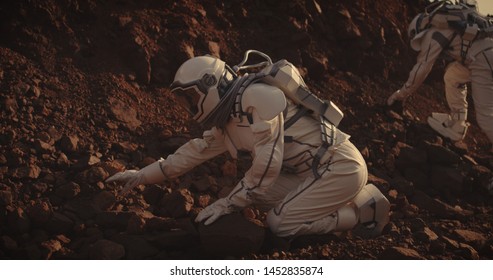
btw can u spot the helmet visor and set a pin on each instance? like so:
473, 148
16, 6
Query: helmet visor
188, 98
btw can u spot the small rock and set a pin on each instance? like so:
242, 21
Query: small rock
125, 147
156, 223
124, 113
43, 147
113, 167
473, 238
35, 91
68, 190
5, 198
63, 161
95, 174
32, 171
426, 235
468, 252
40, 212
49, 247
69, 143
418, 225
104, 200
249, 214
204, 183
177, 204
17, 221
203, 200
450, 243
114, 219
136, 225
229, 168
214, 49
153, 193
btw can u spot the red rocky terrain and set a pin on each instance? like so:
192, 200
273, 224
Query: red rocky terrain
84, 94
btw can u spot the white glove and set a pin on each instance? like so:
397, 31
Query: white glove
150, 174
217, 209
396, 96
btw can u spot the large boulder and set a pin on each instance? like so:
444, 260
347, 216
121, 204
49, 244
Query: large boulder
231, 235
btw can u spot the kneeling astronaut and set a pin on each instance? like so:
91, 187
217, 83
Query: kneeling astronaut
305, 172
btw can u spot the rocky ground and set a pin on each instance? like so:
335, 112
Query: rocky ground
84, 94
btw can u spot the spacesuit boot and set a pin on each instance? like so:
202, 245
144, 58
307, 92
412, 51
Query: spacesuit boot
452, 126
369, 211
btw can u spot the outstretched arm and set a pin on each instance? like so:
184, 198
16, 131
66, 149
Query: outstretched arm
191, 154
422, 68
430, 51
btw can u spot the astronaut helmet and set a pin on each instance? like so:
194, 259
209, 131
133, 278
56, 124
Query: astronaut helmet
200, 84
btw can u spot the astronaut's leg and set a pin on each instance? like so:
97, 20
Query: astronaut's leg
453, 125
482, 91
370, 208
284, 184
311, 207
456, 78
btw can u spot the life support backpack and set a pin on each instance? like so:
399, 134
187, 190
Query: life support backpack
463, 18
285, 76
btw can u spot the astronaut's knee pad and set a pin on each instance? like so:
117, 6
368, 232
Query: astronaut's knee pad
373, 208
347, 217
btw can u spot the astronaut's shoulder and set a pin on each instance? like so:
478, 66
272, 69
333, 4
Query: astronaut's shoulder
269, 101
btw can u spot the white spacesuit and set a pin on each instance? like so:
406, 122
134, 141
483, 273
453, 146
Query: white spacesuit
300, 199
433, 34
